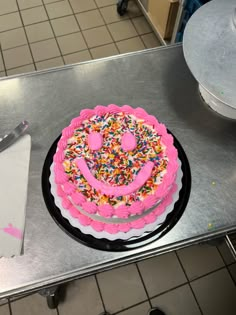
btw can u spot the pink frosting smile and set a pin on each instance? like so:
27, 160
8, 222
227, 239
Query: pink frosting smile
116, 191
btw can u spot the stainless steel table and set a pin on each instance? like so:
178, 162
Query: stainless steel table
158, 80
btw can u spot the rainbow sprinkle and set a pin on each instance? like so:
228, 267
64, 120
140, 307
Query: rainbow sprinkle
111, 164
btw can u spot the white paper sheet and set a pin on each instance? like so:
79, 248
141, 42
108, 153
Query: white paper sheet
14, 171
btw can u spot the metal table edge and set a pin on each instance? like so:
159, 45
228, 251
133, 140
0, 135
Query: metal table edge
64, 67
84, 272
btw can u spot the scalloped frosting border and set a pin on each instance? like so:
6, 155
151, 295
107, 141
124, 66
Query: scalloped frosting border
65, 188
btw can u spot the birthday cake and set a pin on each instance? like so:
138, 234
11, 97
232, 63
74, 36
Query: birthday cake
115, 168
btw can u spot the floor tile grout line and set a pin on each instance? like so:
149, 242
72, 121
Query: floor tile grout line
180, 262
139, 35
42, 40
5, 303
115, 42
145, 289
3, 61
231, 264
25, 9
28, 44
104, 6
164, 292
45, 60
124, 17
182, 267
128, 18
138, 14
107, 5
49, 20
68, 33
16, 28
80, 31
169, 290
62, 56
207, 274
43, 5
10, 309
100, 292
119, 41
31, 43
199, 277
90, 54
59, 17
221, 255
226, 266
144, 43
160, 44
48, 60
194, 295
37, 6
38, 41
75, 52
129, 307
84, 10
28, 64
106, 25
17, 46
55, 37
231, 276
22, 296
8, 13
90, 28
107, 28
12, 300
52, 2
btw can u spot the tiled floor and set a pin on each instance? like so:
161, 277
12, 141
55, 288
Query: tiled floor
41, 34
199, 280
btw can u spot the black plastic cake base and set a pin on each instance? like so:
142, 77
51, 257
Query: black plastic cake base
118, 245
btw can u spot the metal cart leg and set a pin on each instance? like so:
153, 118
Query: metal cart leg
122, 6
51, 295
231, 242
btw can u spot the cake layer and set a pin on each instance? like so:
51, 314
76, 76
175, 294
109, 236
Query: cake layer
74, 218
82, 220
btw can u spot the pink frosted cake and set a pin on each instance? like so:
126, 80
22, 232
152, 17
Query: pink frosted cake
114, 168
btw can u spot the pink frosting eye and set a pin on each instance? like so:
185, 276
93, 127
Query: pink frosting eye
95, 140
128, 142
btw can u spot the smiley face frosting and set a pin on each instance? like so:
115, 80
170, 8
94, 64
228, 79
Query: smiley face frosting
114, 167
